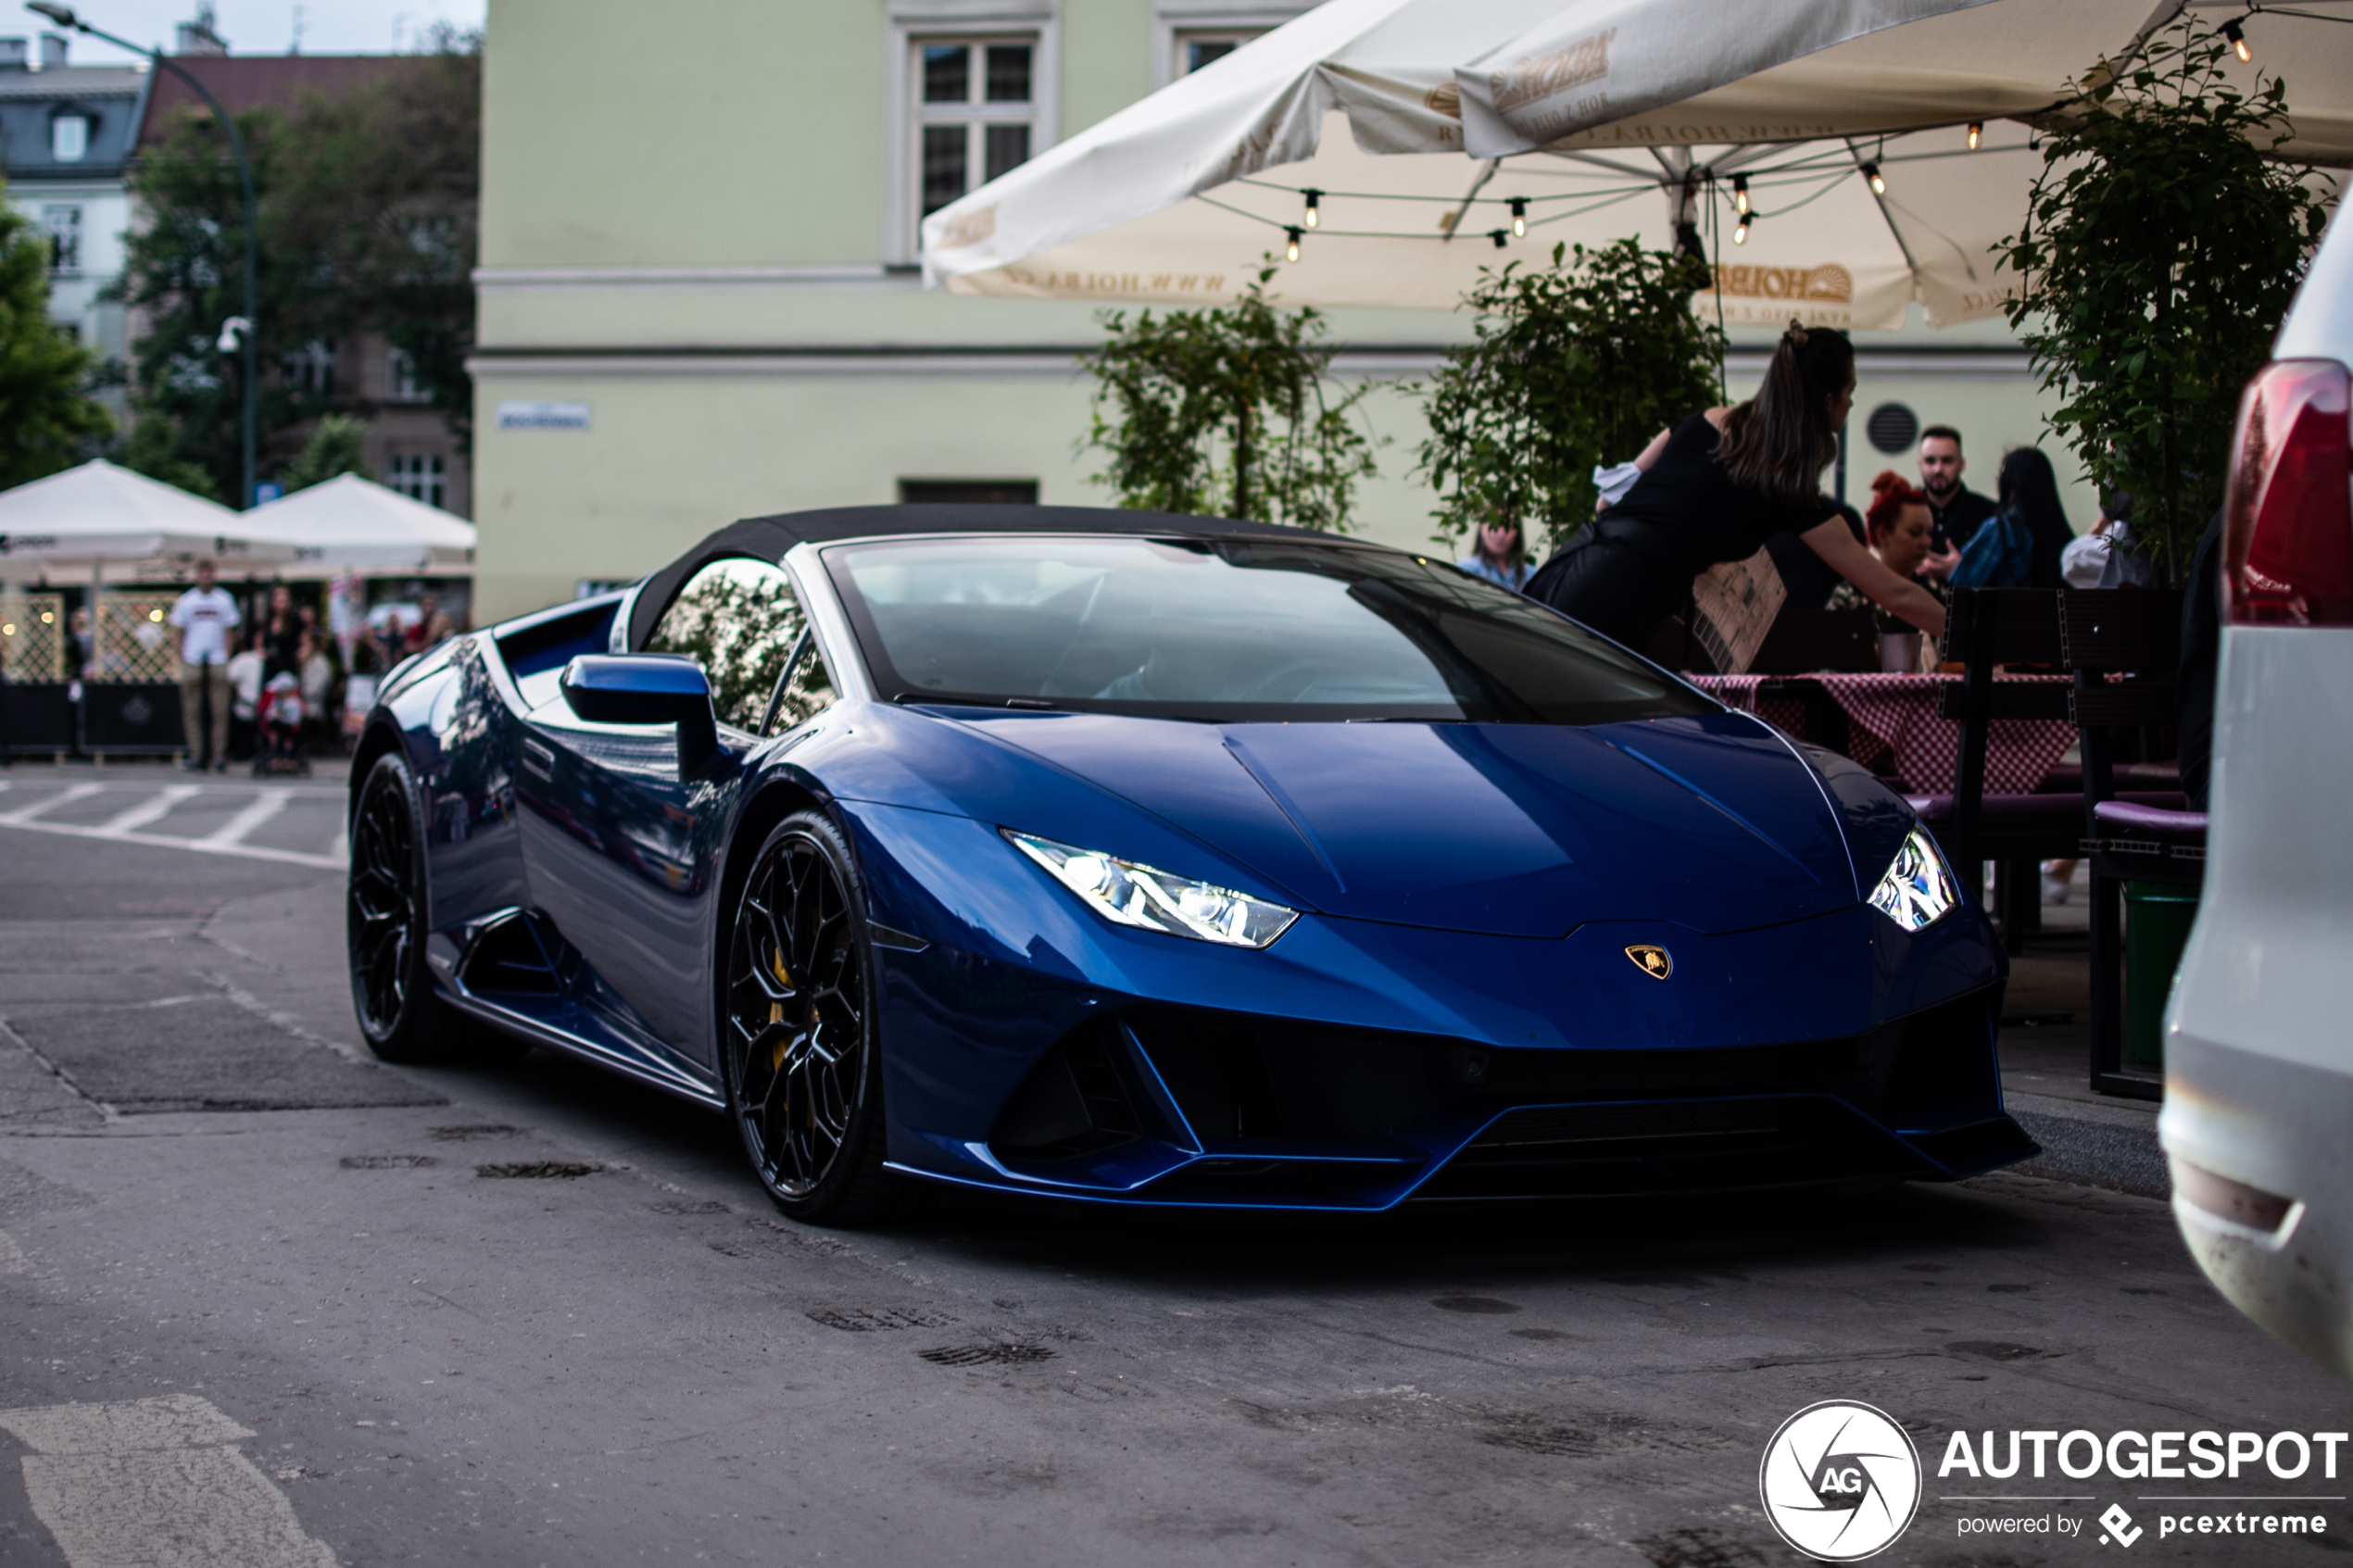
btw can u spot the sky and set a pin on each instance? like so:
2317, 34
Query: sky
254, 27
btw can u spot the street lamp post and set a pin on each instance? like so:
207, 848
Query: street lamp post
63, 16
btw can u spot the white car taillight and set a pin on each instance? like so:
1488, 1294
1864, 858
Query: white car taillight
2288, 520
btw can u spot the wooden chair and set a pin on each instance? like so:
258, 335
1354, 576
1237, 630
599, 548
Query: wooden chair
2124, 645
1989, 627
2010, 626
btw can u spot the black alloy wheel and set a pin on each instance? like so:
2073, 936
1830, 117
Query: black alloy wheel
798, 1035
385, 919
384, 924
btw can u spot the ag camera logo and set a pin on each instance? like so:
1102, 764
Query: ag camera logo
1840, 1481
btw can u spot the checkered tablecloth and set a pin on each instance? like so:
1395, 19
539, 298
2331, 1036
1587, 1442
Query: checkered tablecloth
1900, 715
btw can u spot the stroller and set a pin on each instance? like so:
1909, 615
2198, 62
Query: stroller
278, 730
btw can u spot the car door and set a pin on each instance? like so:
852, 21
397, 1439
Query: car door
626, 851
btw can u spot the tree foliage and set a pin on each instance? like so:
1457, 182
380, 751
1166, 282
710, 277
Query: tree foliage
47, 419
338, 445
2162, 244
1228, 411
1575, 366
366, 212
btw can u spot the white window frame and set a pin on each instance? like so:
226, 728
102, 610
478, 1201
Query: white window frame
431, 473
61, 221
1174, 22
400, 378
915, 23
57, 137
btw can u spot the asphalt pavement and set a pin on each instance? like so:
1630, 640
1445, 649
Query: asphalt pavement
264, 1301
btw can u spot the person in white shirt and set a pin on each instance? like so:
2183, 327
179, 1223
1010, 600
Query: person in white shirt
205, 615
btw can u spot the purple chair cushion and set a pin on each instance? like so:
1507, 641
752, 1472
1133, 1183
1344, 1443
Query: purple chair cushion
2131, 818
2068, 779
2036, 810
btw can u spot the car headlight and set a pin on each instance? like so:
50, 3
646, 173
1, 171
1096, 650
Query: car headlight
1128, 893
1918, 890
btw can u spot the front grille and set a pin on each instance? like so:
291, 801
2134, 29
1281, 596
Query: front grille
1629, 1150
1558, 1121
1616, 1123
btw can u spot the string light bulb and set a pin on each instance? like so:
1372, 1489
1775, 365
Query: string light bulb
1519, 216
1739, 230
1291, 252
1976, 130
1878, 187
1315, 216
2231, 31
1499, 237
1740, 194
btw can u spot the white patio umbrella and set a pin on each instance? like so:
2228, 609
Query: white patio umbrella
100, 519
1399, 145
349, 524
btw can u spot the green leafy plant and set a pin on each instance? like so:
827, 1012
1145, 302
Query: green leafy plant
2163, 242
47, 419
338, 445
1575, 366
1228, 411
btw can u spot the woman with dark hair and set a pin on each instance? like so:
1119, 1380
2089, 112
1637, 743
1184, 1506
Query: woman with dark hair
2028, 489
1715, 488
1499, 553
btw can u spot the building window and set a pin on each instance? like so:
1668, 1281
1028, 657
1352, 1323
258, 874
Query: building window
417, 475
401, 385
975, 102
311, 368
69, 138
1199, 47
63, 225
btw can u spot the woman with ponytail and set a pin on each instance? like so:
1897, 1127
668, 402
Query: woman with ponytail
1716, 486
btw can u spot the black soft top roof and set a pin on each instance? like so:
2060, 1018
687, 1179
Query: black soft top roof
767, 538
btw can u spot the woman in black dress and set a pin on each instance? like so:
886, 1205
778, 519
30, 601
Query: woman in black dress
1716, 486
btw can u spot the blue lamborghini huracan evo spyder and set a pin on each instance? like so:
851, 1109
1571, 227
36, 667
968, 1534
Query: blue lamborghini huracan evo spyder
1136, 859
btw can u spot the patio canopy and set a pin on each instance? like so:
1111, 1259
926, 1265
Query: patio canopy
100, 518
351, 524
1403, 145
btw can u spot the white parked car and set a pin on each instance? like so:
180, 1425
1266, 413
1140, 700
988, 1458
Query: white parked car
2258, 1039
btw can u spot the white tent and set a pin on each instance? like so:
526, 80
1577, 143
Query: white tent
100, 518
350, 524
1403, 145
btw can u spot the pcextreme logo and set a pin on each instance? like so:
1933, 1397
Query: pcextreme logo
1840, 1481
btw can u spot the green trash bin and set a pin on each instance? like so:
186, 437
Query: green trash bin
2158, 916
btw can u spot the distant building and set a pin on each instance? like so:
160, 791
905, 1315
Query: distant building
67, 133
409, 445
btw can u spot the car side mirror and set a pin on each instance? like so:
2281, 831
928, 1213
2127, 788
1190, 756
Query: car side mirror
649, 689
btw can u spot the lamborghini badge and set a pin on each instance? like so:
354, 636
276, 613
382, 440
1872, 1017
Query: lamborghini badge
1657, 961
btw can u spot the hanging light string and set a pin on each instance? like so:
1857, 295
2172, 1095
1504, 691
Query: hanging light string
1814, 173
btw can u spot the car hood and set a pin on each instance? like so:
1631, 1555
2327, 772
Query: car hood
1516, 830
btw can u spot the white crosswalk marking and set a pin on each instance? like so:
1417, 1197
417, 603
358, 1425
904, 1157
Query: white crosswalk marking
129, 826
153, 809
23, 814
155, 1481
233, 831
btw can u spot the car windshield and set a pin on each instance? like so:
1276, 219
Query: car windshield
1226, 630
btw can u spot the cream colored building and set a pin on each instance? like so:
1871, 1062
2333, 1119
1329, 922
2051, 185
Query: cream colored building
698, 298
